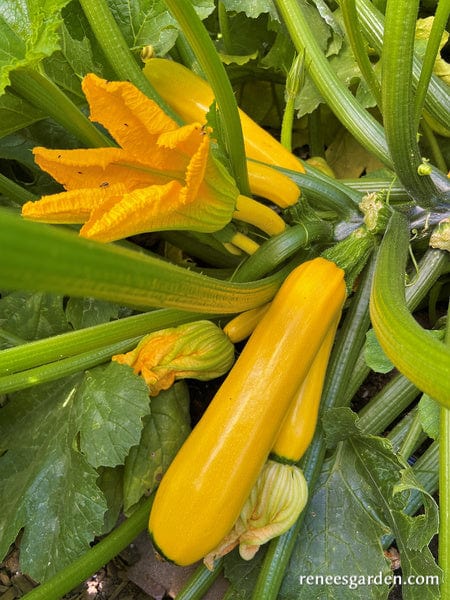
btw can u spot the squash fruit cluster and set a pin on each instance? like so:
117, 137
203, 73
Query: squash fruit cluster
206, 486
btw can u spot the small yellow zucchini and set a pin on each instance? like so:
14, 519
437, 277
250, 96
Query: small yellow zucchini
300, 423
241, 326
203, 492
269, 183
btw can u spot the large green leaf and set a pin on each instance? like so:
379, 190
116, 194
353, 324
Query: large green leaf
52, 435
360, 497
28, 33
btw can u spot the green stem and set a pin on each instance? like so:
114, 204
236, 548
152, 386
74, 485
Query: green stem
204, 49
412, 438
359, 374
200, 582
426, 470
359, 47
441, 16
399, 334
65, 345
400, 124
438, 157
398, 433
444, 488
294, 82
45, 258
376, 416
345, 352
40, 91
278, 249
100, 554
315, 134
368, 185
358, 121
323, 194
62, 368
437, 100
110, 37
224, 27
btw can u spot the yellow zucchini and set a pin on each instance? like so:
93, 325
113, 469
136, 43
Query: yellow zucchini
241, 326
190, 96
271, 184
300, 423
202, 494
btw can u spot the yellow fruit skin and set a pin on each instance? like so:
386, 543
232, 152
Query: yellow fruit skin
300, 423
190, 97
201, 495
241, 326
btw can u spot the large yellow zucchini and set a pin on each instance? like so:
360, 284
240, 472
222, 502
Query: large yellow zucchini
207, 484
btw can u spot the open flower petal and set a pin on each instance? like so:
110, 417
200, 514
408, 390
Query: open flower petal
96, 167
144, 209
134, 120
71, 207
162, 176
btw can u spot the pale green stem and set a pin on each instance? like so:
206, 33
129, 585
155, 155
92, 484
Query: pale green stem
444, 489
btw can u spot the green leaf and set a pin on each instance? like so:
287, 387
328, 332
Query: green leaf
229, 59
429, 412
112, 402
345, 68
339, 425
52, 435
241, 574
374, 356
110, 482
149, 22
86, 312
48, 487
32, 316
28, 33
16, 113
79, 54
165, 429
252, 8
360, 497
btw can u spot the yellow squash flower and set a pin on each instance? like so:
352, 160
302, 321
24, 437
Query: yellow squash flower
161, 176
198, 350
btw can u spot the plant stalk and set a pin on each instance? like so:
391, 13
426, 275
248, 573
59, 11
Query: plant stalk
212, 66
341, 101
40, 91
444, 488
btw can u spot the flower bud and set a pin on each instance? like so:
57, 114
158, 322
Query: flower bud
199, 350
440, 238
275, 502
